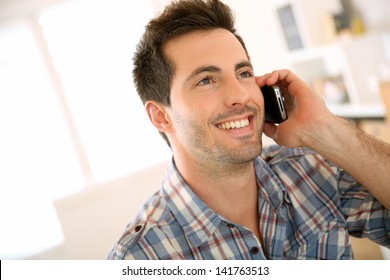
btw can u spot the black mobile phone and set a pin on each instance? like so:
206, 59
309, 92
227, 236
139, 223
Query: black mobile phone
274, 104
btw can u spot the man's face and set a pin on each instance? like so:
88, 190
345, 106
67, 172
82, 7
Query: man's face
216, 106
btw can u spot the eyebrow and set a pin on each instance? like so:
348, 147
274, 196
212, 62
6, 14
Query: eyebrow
202, 69
243, 64
216, 69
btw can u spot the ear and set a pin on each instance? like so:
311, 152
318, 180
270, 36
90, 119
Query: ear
158, 116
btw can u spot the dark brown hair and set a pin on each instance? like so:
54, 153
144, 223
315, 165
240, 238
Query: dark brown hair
153, 71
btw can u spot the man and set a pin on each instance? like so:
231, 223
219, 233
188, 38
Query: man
219, 198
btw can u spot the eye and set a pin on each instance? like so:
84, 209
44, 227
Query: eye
205, 81
246, 74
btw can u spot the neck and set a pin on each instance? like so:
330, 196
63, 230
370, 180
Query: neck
229, 190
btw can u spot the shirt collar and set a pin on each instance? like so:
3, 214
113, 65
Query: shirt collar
198, 221
271, 188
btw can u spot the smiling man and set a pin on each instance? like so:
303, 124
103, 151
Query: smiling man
216, 121
224, 196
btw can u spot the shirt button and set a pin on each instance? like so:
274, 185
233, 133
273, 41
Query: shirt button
255, 250
230, 225
138, 228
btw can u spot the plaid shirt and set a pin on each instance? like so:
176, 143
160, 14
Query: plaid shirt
307, 206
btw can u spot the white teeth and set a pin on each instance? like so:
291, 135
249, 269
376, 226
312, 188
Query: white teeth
235, 124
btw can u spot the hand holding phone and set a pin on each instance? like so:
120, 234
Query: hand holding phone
275, 111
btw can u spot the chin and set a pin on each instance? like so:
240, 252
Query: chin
245, 154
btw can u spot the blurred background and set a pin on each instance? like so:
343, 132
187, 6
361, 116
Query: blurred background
78, 155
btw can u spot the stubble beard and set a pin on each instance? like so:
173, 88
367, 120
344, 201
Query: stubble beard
217, 154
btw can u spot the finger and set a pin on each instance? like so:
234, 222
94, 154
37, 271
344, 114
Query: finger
280, 77
288, 80
283, 75
261, 80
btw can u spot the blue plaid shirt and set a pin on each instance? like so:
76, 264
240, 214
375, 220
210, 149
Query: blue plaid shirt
308, 209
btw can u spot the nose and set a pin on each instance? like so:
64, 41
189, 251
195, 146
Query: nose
235, 94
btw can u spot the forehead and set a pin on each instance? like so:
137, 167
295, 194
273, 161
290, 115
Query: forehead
217, 47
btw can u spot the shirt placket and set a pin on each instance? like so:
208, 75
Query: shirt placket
253, 245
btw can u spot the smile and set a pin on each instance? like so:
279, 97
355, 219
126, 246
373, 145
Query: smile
234, 124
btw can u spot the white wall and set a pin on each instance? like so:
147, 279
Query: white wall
375, 13
258, 24
255, 22
94, 219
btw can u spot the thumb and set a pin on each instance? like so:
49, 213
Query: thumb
270, 129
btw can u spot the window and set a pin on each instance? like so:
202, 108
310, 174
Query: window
93, 56
37, 161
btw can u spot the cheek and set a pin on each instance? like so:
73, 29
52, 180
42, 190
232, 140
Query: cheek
256, 98
190, 130
197, 110
257, 95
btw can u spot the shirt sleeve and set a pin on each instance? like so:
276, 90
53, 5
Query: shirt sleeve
365, 215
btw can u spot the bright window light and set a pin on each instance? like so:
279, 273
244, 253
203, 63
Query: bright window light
92, 43
37, 161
